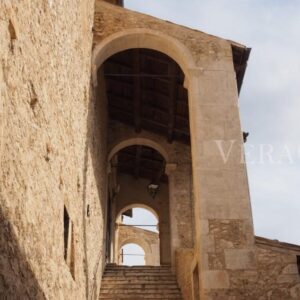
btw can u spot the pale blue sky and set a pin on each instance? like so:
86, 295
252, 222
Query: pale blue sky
141, 216
269, 101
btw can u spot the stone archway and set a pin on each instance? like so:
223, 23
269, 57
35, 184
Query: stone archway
142, 38
134, 193
182, 231
126, 142
138, 205
212, 97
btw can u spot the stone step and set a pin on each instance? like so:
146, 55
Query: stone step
143, 279
145, 285
139, 282
137, 274
138, 271
155, 297
140, 291
139, 297
141, 288
165, 270
138, 267
154, 275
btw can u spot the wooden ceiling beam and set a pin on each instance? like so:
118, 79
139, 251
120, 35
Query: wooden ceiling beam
137, 165
164, 126
129, 166
148, 91
137, 90
149, 160
127, 103
120, 111
132, 74
161, 60
127, 85
172, 71
118, 63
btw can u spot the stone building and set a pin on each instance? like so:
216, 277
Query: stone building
101, 109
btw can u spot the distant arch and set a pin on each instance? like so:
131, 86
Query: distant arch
144, 245
138, 205
138, 141
139, 242
142, 38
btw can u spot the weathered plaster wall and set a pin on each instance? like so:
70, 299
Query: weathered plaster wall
49, 150
148, 240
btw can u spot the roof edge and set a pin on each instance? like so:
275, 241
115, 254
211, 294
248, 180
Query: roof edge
276, 244
240, 55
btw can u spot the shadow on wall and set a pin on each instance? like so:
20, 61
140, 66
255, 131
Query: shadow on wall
17, 281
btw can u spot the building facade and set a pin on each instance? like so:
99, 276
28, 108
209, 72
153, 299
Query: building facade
97, 104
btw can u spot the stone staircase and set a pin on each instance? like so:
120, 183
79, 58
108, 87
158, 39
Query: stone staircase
139, 282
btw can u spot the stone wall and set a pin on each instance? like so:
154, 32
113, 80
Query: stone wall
49, 151
278, 276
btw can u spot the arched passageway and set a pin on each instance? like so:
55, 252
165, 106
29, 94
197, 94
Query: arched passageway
148, 136
141, 226
142, 188
149, 152
146, 100
142, 38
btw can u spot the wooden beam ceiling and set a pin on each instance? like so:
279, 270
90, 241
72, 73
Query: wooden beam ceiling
137, 90
172, 70
138, 155
145, 90
142, 162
